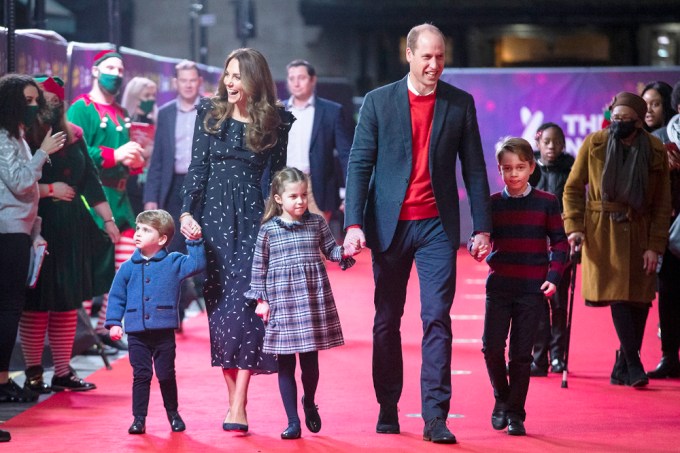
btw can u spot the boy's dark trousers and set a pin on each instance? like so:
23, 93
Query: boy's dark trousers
522, 310
551, 332
152, 348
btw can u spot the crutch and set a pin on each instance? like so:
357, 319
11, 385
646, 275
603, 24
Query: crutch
575, 260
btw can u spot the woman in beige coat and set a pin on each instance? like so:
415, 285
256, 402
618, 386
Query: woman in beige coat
622, 221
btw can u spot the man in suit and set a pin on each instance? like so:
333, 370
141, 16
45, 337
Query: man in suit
320, 137
172, 156
172, 147
402, 191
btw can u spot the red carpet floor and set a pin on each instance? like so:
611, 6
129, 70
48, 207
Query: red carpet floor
591, 415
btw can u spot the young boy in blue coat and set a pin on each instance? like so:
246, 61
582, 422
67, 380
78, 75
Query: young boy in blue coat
145, 291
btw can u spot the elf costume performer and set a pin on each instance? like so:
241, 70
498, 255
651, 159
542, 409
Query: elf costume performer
105, 127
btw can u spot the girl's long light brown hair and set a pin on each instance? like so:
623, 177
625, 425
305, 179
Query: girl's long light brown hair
262, 103
284, 176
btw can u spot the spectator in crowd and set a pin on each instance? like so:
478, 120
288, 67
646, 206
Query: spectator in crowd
19, 224
552, 169
320, 137
105, 127
669, 283
657, 95
139, 100
621, 222
67, 277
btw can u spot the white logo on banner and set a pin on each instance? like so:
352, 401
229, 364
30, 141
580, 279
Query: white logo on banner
575, 126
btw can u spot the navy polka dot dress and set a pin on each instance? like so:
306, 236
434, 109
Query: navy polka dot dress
223, 191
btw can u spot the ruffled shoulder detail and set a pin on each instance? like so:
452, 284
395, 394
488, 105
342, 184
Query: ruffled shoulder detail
287, 118
290, 225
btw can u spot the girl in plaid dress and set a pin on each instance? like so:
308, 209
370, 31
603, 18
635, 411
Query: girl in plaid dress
294, 295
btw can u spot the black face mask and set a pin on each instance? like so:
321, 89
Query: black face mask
622, 129
56, 112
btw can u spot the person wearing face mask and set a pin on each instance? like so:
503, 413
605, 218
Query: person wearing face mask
621, 222
139, 99
19, 223
74, 270
105, 127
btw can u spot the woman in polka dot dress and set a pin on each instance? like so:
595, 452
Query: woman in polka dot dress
240, 132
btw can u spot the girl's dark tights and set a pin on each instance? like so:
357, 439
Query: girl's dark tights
309, 366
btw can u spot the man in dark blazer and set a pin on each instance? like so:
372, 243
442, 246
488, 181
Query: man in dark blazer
172, 147
402, 191
319, 140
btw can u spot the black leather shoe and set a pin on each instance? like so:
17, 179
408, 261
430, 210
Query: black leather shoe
536, 371
12, 393
312, 418
34, 380
557, 366
388, 420
71, 383
637, 376
138, 426
668, 367
437, 432
240, 427
176, 422
516, 427
619, 374
293, 431
5, 436
499, 420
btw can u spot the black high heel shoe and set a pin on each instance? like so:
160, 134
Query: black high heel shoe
293, 431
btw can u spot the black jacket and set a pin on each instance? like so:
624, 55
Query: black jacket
551, 178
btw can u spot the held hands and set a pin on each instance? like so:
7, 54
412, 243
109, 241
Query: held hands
53, 142
480, 246
130, 155
355, 241
650, 259
262, 310
548, 288
190, 227
116, 333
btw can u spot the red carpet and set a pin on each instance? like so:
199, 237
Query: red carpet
590, 415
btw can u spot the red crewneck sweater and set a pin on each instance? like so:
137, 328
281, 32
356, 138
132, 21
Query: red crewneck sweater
419, 202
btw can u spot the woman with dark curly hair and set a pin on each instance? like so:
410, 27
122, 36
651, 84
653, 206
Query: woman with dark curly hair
20, 171
240, 141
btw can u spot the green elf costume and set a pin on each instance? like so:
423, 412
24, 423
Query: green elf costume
105, 128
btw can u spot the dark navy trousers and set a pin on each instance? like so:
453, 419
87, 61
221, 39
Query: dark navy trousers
426, 243
148, 350
522, 312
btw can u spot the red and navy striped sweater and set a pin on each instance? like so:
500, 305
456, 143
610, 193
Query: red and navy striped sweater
521, 259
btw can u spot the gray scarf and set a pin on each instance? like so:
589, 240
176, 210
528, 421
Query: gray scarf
626, 175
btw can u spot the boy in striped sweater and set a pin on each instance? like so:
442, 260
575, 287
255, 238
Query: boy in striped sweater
524, 269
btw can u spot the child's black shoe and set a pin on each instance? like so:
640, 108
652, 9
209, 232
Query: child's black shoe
138, 426
176, 422
293, 431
